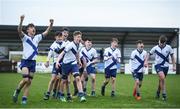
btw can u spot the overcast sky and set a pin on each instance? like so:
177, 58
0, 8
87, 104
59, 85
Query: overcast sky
112, 13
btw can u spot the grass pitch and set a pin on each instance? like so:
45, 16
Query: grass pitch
123, 98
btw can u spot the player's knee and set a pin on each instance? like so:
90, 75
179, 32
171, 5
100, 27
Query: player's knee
26, 79
137, 82
107, 80
64, 81
68, 81
76, 75
53, 80
140, 84
64, 77
29, 82
113, 79
86, 79
93, 79
162, 77
78, 79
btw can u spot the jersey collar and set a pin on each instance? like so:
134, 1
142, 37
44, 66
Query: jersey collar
88, 49
113, 49
162, 47
77, 45
139, 51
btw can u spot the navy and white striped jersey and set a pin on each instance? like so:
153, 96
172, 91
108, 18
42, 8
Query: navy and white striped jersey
30, 46
137, 61
55, 50
88, 54
111, 63
162, 55
71, 50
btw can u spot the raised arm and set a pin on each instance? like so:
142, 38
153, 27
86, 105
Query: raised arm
20, 32
45, 33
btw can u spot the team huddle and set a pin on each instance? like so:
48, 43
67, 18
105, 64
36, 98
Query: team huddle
78, 58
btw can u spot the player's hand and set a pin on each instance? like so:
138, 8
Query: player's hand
110, 57
22, 17
51, 21
145, 64
57, 65
80, 64
46, 64
174, 68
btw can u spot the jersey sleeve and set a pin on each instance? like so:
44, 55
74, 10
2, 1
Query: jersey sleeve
95, 53
68, 47
132, 56
52, 47
24, 38
119, 54
105, 54
171, 50
151, 52
39, 37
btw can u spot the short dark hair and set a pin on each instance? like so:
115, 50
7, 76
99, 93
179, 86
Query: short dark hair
30, 25
65, 29
58, 33
114, 40
163, 39
77, 33
139, 42
87, 39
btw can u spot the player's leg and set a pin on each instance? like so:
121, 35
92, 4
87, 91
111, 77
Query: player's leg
113, 81
84, 82
25, 75
79, 86
27, 87
76, 75
50, 86
135, 85
93, 82
158, 90
62, 86
65, 73
81, 70
59, 86
139, 84
32, 70
162, 81
164, 95
75, 88
56, 86
68, 83
106, 81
